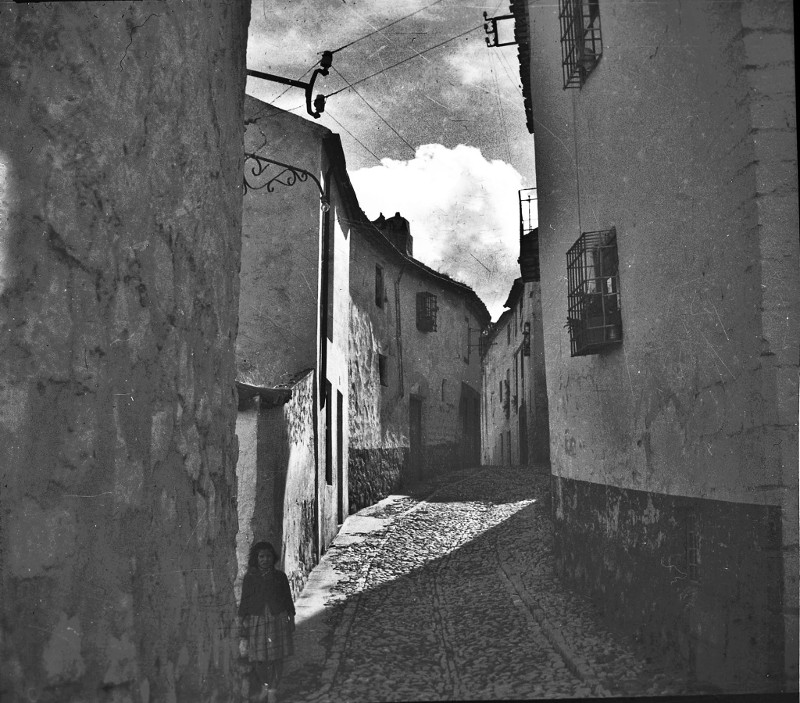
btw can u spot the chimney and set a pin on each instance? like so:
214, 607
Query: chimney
397, 230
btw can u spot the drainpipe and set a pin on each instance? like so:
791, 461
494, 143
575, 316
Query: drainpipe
398, 331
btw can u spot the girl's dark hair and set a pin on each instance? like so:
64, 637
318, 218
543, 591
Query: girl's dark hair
252, 560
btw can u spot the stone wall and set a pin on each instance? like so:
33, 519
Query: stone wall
631, 551
429, 366
120, 217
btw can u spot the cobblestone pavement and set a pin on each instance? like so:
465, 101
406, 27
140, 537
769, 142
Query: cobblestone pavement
454, 597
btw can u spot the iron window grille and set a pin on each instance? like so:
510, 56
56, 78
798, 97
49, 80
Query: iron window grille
581, 41
593, 302
528, 235
426, 312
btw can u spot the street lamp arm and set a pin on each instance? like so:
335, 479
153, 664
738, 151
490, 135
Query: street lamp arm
319, 101
288, 176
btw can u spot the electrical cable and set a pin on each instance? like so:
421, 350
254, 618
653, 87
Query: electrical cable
424, 51
399, 136
500, 108
364, 146
272, 102
508, 71
380, 29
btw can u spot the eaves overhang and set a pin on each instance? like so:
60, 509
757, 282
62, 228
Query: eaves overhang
519, 8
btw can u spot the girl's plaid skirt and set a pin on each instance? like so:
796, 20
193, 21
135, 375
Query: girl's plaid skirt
268, 636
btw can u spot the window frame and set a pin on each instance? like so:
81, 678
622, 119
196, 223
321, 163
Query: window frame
427, 309
581, 40
594, 316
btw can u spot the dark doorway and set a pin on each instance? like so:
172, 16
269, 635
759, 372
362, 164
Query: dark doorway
470, 412
523, 435
415, 438
340, 456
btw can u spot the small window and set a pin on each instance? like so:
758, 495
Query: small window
380, 292
383, 369
444, 383
593, 305
426, 312
581, 42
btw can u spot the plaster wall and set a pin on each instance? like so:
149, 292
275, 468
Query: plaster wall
333, 493
430, 366
120, 217
685, 141
680, 407
279, 274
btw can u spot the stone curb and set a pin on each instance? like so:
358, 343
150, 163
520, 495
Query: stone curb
528, 603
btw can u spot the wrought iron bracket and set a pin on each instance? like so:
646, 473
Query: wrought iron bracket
490, 27
319, 101
287, 176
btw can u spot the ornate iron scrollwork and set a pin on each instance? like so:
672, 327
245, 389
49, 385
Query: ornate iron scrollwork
287, 176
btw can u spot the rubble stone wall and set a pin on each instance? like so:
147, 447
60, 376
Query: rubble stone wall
430, 366
120, 218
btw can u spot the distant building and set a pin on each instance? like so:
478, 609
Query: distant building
667, 183
414, 364
515, 427
292, 343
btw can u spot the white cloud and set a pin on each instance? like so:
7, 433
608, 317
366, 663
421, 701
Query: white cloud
463, 210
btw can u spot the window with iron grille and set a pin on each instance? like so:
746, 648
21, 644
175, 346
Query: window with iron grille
581, 42
426, 312
593, 306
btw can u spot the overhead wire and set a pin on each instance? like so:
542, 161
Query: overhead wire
380, 29
363, 146
280, 95
500, 109
420, 53
399, 136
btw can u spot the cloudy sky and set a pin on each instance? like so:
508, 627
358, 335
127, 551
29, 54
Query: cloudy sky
440, 137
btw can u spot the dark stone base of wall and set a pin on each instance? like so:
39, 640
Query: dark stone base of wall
716, 610
374, 474
441, 457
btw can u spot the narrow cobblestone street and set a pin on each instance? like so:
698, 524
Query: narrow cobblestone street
448, 593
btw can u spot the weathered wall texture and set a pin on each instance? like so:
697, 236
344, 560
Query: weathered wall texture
120, 172
521, 435
278, 309
685, 141
294, 316
275, 475
428, 366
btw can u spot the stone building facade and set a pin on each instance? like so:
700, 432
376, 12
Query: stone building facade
514, 419
292, 345
414, 364
667, 181
120, 219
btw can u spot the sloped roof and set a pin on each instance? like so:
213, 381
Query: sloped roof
356, 215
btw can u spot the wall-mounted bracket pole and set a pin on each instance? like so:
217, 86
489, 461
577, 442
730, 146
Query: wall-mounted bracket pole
319, 101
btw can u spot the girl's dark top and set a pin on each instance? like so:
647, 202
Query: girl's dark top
259, 590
